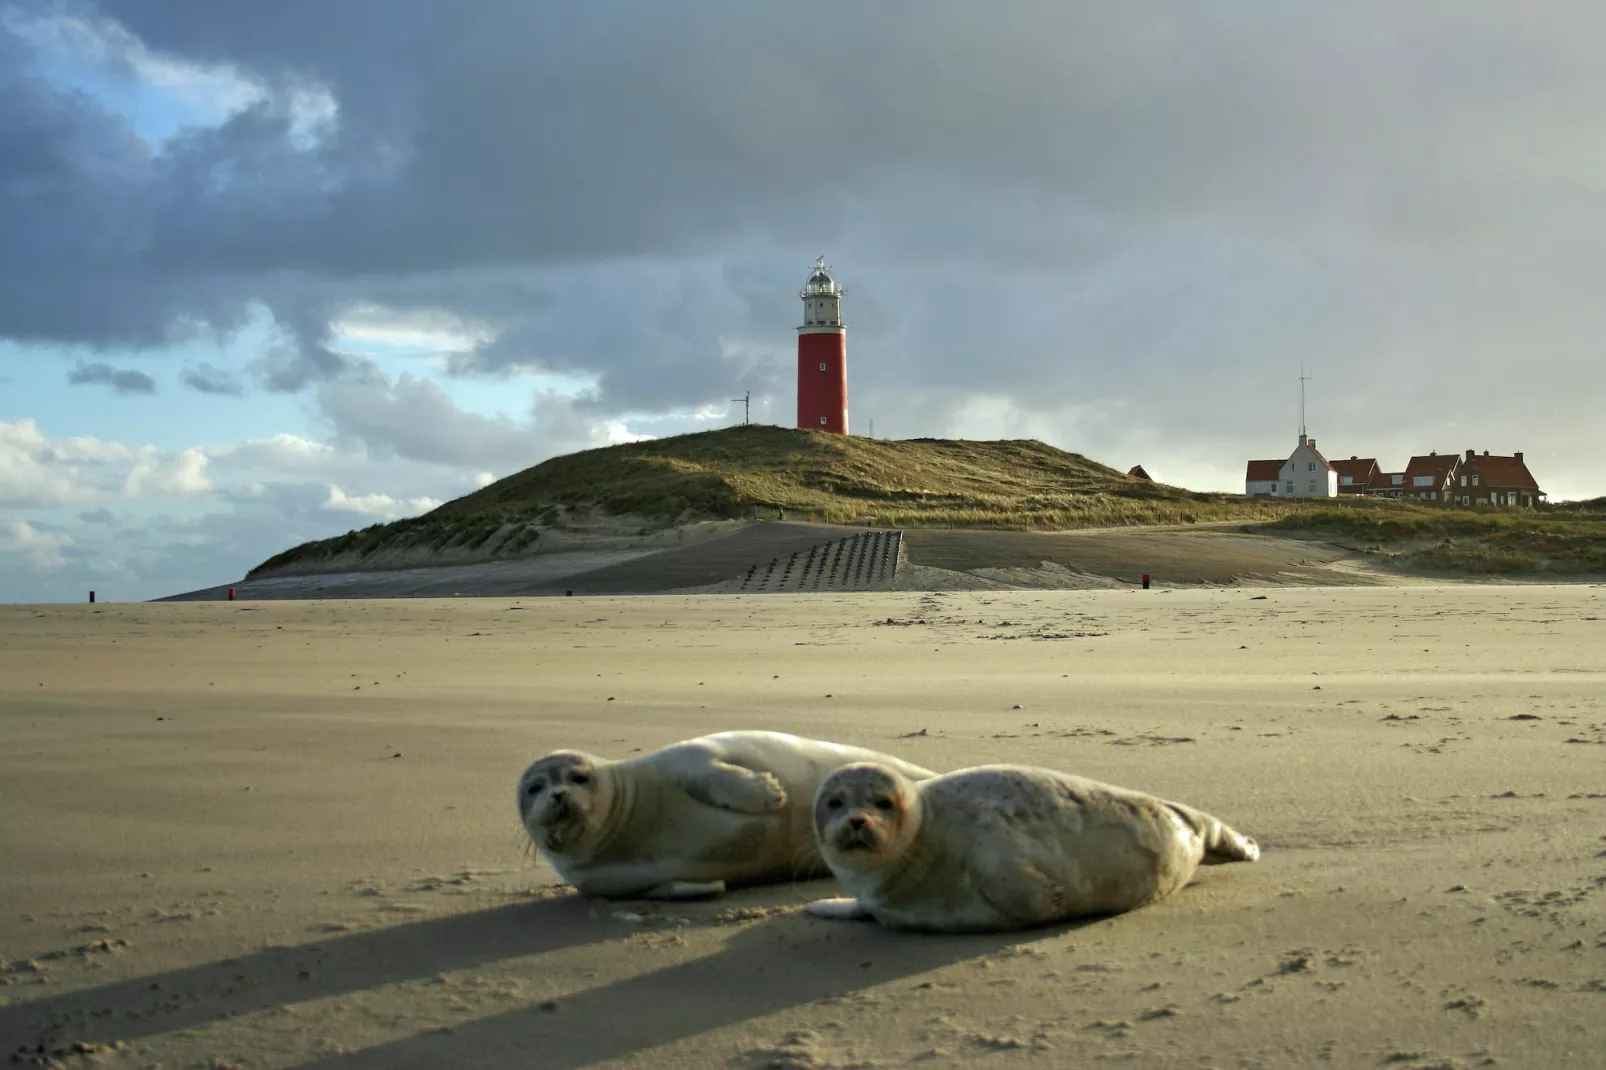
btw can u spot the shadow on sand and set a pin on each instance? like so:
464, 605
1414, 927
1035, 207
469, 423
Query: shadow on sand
764, 968
179, 999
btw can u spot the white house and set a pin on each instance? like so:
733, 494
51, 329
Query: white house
1306, 474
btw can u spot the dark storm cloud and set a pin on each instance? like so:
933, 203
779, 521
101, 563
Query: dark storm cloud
209, 379
122, 380
1158, 209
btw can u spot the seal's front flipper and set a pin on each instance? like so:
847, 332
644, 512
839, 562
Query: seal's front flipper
838, 909
730, 787
1229, 845
1222, 843
685, 890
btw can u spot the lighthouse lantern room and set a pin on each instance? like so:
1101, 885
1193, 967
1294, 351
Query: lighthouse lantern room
822, 355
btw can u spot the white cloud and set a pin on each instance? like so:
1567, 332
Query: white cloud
38, 471
381, 506
615, 432
179, 475
41, 549
282, 453
27, 477
430, 330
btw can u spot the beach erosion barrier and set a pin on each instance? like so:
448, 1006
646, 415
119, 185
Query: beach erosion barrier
863, 562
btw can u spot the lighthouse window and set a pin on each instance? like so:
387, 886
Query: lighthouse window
822, 366
822, 421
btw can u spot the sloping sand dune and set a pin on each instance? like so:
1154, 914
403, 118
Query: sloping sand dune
523, 576
933, 560
282, 834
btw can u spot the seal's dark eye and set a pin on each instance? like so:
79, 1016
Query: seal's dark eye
883, 803
533, 789
833, 804
579, 778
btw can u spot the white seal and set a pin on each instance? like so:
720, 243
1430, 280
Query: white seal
1005, 846
689, 820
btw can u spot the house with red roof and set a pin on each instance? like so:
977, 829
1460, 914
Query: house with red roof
1473, 480
1261, 478
1503, 481
1305, 474
1358, 475
1388, 485
1431, 478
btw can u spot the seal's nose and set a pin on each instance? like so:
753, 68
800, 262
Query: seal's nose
557, 796
856, 823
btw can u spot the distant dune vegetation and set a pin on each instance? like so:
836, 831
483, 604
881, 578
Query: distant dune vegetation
1565, 539
643, 493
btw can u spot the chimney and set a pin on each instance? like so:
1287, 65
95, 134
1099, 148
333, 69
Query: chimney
1517, 456
1302, 440
1486, 453
1353, 457
1470, 454
1311, 442
1435, 453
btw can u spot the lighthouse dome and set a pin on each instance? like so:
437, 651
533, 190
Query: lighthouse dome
821, 283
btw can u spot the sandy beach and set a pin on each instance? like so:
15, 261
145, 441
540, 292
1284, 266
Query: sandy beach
282, 834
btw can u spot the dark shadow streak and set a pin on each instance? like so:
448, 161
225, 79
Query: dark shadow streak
763, 969
190, 997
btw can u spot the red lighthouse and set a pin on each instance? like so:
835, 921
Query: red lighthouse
822, 355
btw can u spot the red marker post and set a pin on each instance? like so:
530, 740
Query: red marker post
1145, 581
231, 593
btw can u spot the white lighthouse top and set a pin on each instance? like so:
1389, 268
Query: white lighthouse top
821, 284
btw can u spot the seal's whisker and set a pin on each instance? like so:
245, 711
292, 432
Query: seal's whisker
806, 861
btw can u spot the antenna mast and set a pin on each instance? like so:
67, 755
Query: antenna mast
747, 406
1303, 379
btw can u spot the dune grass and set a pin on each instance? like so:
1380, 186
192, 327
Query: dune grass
1566, 539
767, 472
1020, 485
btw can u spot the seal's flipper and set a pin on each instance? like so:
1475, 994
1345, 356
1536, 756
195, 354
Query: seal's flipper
730, 787
1025, 896
1229, 846
838, 909
685, 890
1221, 842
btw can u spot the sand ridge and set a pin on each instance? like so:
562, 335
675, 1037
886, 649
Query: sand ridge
282, 834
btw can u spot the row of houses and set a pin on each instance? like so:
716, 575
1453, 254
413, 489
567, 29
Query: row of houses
1450, 478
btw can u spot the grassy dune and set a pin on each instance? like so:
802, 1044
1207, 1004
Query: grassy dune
1565, 539
634, 489
759, 470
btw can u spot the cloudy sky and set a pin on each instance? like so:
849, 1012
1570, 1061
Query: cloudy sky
270, 271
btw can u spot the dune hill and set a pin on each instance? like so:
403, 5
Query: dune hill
671, 491
1564, 539
624, 494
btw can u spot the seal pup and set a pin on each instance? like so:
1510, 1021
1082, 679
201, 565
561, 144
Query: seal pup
687, 821
1004, 847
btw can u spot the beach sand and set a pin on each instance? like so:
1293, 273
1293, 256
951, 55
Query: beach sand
282, 834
